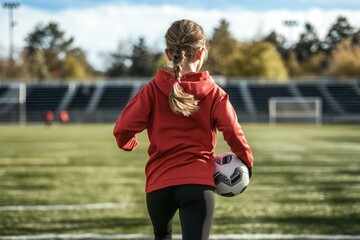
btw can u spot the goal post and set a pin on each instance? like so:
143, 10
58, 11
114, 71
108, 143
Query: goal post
13, 103
291, 109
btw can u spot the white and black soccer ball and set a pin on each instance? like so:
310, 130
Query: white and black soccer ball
231, 175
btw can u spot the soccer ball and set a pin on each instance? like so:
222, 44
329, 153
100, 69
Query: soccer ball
231, 175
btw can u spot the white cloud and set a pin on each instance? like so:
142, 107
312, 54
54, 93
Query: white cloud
99, 29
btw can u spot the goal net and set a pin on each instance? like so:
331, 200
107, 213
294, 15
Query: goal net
287, 109
13, 103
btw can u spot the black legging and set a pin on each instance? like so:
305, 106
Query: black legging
196, 204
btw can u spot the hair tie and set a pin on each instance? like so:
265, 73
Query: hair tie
175, 81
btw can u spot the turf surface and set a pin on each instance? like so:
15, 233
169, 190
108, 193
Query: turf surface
306, 181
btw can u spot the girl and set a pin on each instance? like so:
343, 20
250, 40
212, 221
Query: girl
181, 111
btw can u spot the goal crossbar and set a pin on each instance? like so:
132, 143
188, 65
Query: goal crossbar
295, 109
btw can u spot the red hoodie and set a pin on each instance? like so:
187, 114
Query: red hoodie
181, 148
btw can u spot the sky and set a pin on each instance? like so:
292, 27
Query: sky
100, 26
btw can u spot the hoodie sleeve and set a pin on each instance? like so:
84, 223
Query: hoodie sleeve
132, 120
226, 122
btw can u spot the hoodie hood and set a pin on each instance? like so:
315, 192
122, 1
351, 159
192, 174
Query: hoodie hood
199, 84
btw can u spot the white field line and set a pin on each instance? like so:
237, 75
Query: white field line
63, 207
178, 236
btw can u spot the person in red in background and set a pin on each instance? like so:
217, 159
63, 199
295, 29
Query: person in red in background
181, 110
64, 116
49, 117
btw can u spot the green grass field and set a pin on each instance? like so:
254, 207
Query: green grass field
306, 181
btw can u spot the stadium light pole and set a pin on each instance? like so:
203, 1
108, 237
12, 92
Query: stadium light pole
290, 24
11, 6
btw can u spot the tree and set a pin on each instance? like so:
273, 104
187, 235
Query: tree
36, 64
339, 31
292, 64
309, 43
260, 59
119, 62
51, 42
3, 67
315, 64
76, 65
345, 59
221, 53
134, 60
143, 60
228, 57
162, 61
46, 51
278, 40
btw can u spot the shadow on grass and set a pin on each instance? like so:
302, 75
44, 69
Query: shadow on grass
27, 187
106, 224
347, 224
29, 174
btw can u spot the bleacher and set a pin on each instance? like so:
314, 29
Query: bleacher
2, 90
261, 94
313, 90
346, 95
103, 101
81, 97
235, 97
115, 97
41, 99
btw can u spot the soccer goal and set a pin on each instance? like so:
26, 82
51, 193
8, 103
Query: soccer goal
13, 103
288, 109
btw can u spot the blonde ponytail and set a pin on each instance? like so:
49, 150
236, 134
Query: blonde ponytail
183, 39
181, 102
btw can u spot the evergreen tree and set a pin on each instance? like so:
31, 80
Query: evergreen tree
309, 43
118, 62
222, 50
143, 60
339, 31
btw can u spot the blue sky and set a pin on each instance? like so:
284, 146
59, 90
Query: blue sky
207, 4
100, 26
